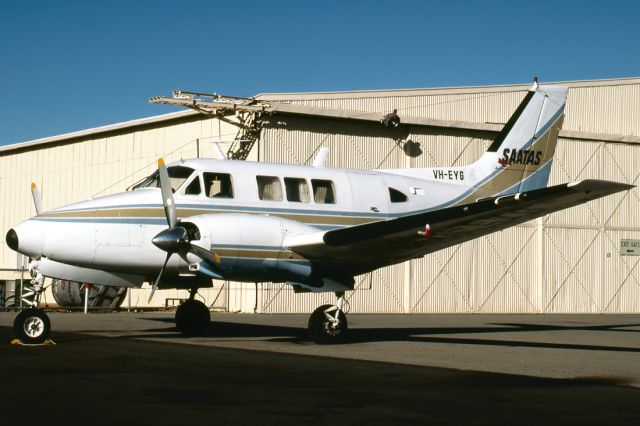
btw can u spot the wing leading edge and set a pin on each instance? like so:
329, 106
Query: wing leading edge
395, 240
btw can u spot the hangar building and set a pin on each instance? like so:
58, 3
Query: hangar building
570, 261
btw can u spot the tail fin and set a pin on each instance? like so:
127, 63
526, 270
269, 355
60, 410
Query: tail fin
520, 157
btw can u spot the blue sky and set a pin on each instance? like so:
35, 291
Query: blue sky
72, 65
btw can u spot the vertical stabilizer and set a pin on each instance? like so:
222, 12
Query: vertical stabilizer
520, 157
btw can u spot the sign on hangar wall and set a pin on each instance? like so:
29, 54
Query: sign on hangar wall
630, 247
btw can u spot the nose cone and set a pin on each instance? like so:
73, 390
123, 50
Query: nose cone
27, 238
12, 240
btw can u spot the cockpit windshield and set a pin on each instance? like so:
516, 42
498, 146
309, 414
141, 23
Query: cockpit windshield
177, 176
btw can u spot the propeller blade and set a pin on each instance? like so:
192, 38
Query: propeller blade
155, 284
36, 197
205, 254
167, 195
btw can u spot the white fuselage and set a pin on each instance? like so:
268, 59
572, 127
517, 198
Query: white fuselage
114, 233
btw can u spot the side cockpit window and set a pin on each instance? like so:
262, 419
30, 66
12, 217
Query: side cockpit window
323, 191
217, 185
396, 196
194, 187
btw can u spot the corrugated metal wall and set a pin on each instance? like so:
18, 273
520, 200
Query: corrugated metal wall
566, 262
92, 167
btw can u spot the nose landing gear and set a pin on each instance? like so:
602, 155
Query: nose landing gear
32, 325
328, 323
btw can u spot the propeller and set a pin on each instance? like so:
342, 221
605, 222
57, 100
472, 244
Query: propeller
174, 239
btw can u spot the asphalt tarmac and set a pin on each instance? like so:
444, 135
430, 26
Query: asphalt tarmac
134, 368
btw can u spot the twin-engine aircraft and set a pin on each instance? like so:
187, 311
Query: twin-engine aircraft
313, 227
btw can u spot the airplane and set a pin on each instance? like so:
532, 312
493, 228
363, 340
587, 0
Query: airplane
312, 227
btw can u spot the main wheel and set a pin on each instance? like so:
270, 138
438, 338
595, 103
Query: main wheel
323, 330
32, 326
192, 317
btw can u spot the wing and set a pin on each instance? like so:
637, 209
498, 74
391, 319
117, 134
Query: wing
396, 240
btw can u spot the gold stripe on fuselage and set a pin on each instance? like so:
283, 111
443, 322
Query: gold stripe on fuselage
257, 254
158, 212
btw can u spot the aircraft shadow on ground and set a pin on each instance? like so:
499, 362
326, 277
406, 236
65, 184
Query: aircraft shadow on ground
274, 333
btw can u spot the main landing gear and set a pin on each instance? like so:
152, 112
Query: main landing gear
32, 325
328, 323
193, 316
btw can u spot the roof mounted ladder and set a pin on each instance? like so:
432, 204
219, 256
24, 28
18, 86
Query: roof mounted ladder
248, 111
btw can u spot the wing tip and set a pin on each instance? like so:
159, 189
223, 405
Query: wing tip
600, 185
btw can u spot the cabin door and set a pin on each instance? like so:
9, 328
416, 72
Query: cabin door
369, 193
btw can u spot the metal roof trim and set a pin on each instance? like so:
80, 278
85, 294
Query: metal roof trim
293, 96
97, 130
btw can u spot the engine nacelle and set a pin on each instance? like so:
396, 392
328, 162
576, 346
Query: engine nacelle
250, 246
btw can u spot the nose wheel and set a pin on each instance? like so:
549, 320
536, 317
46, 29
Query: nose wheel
32, 326
328, 323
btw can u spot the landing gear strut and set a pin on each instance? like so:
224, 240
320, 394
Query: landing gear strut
32, 325
328, 323
193, 316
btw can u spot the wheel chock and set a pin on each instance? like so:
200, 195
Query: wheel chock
19, 342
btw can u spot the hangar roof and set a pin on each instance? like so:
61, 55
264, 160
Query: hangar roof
489, 128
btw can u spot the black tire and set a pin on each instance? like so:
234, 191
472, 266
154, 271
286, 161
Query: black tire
321, 330
32, 326
192, 317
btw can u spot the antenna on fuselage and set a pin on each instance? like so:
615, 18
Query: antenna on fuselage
221, 153
321, 157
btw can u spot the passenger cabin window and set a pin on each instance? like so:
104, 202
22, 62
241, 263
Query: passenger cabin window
297, 190
323, 191
217, 185
397, 196
194, 187
177, 176
269, 188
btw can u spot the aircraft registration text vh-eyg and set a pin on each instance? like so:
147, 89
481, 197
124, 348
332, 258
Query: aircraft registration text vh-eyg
449, 174
311, 227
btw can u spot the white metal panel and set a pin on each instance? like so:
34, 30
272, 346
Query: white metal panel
493, 274
611, 109
621, 163
573, 271
443, 281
